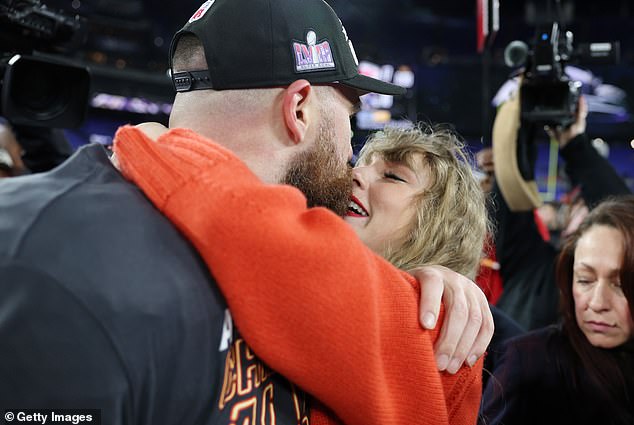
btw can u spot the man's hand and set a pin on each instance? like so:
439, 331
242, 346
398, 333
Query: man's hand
563, 136
468, 325
153, 130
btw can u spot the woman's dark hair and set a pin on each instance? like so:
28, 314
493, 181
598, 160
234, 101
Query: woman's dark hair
603, 367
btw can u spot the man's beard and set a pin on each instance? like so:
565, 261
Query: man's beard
319, 175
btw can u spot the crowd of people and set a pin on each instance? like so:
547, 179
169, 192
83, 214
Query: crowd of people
235, 267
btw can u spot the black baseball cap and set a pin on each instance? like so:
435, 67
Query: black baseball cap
268, 43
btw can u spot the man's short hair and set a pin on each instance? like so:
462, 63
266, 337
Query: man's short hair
189, 54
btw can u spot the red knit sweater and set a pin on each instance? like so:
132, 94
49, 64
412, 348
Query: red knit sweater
309, 297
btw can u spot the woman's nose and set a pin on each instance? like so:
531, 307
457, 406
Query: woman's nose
599, 298
359, 177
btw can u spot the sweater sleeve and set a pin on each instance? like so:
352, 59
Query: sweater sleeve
595, 174
310, 299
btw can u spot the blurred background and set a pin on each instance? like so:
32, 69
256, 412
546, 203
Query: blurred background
430, 46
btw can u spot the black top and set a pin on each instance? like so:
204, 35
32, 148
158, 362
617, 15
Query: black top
537, 381
505, 329
103, 304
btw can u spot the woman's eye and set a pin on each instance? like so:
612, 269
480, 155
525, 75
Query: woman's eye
393, 176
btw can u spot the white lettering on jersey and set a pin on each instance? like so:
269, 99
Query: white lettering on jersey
227, 332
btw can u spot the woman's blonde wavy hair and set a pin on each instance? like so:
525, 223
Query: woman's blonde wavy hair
451, 221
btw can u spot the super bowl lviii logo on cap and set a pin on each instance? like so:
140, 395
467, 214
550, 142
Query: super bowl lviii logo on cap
312, 56
201, 10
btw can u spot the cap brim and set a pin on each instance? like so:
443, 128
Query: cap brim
370, 85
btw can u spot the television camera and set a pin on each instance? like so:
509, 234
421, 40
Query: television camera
548, 96
38, 85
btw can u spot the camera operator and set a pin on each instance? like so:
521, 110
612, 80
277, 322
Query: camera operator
526, 259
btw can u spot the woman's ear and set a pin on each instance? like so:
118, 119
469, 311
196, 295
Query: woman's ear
295, 109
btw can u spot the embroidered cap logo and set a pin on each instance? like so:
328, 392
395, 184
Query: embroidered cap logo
312, 56
202, 10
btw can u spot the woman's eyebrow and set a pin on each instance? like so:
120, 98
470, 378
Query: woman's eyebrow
587, 267
403, 164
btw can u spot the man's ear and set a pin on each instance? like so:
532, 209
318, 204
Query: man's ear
295, 109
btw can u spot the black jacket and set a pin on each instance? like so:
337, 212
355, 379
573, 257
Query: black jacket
105, 305
533, 383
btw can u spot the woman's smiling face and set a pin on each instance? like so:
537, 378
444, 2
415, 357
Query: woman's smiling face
383, 200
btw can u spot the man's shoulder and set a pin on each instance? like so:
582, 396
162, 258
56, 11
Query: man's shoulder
54, 198
78, 210
99, 277
95, 236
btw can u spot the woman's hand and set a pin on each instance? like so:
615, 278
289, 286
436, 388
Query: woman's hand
468, 325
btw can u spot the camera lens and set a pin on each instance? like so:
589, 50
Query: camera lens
41, 90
